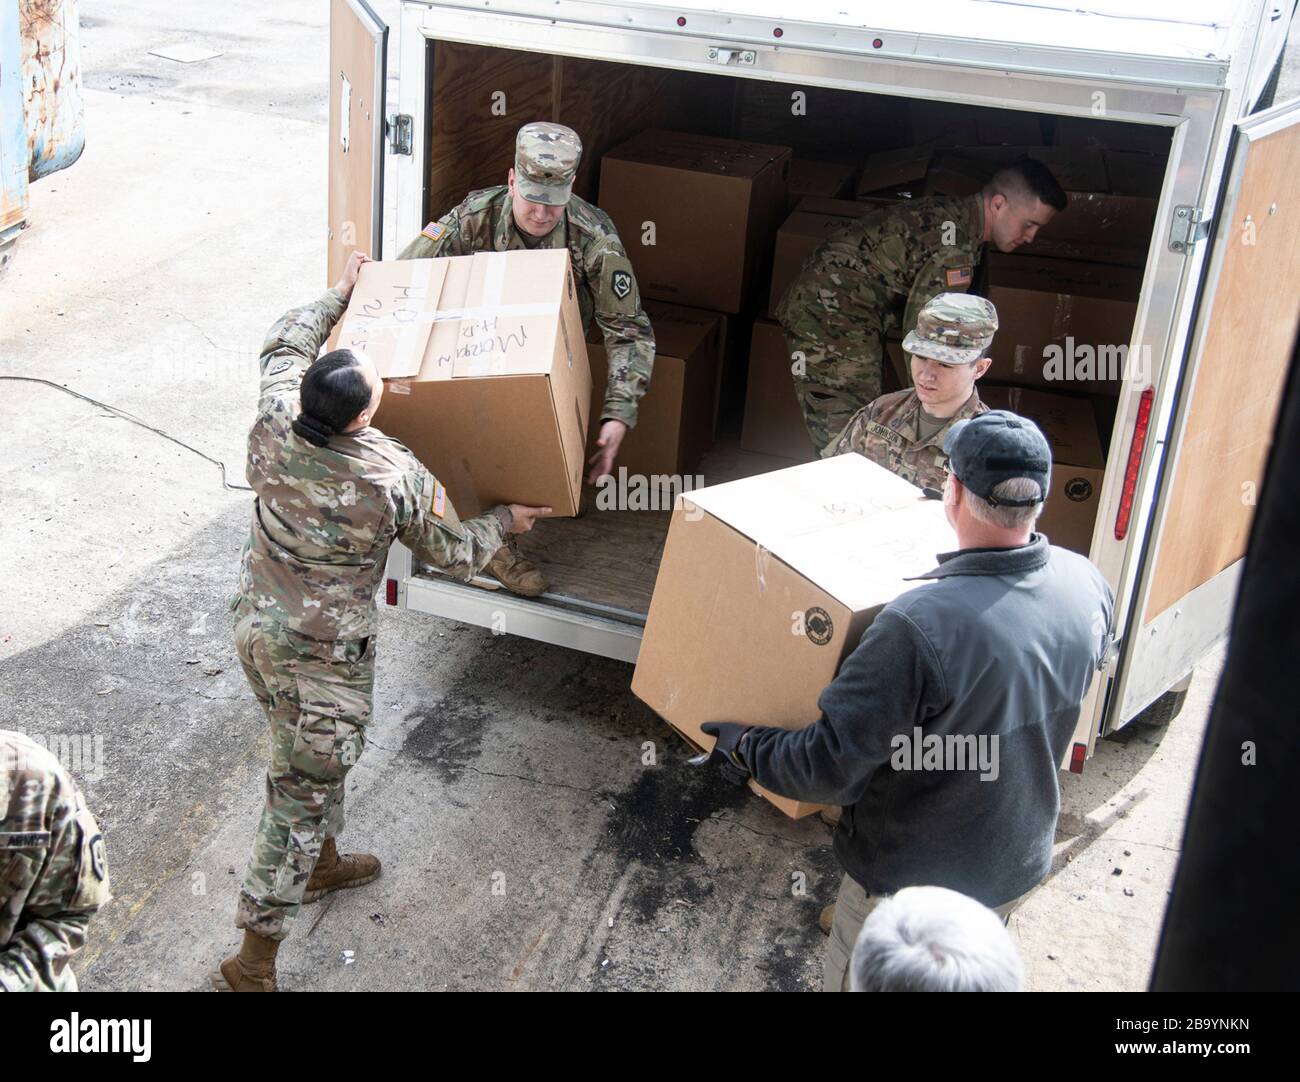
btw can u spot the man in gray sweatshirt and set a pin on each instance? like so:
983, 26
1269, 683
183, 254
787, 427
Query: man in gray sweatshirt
943, 732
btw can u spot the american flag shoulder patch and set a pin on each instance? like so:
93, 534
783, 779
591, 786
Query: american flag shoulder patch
439, 500
433, 230
958, 276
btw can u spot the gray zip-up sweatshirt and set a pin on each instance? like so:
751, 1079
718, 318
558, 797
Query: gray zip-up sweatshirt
942, 733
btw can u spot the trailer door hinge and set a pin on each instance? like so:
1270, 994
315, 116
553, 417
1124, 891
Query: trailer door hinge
1188, 227
398, 128
720, 54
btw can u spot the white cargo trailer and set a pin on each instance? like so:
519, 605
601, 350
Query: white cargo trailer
1220, 294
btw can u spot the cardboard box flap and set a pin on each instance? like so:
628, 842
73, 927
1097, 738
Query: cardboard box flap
679, 330
390, 313
698, 153
837, 208
824, 520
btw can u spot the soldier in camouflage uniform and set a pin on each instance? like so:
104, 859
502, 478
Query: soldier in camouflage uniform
53, 872
904, 431
332, 494
536, 208
845, 297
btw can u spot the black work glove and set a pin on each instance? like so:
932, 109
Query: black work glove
727, 753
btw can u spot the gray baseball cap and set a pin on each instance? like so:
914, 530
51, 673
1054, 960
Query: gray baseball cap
993, 447
955, 328
546, 161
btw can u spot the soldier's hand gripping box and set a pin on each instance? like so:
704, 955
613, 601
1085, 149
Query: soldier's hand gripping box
485, 370
766, 585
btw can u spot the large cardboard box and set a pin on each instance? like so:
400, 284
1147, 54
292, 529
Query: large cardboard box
711, 204
773, 423
486, 372
674, 424
894, 172
1078, 463
1099, 227
826, 180
766, 585
1061, 324
801, 233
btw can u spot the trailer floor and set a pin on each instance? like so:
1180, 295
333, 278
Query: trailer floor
526, 841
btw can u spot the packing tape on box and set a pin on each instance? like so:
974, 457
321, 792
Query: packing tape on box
450, 315
421, 271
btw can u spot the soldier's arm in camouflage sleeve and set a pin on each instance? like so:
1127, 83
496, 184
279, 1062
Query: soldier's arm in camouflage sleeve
428, 525
849, 438
69, 888
448, 242
292, 344
629, 338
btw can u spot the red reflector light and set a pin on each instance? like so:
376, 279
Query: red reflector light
390, 591
877, 43
1077, 756
1125, 513
777, 32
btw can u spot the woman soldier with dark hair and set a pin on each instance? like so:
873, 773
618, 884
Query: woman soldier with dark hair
332, 494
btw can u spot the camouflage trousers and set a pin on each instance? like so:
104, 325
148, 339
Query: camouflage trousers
836, 383
318, 699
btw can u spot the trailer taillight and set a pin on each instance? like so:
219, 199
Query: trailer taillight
1077, 755
390, 592
1125, 513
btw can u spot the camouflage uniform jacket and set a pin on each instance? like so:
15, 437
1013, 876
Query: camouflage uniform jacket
885, 431
324, 517
53, 873
855, 279
607, 289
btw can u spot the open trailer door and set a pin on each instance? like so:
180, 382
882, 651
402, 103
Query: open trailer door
1245, 330
358, 51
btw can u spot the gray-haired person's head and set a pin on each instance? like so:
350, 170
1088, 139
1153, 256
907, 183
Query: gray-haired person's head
931, 939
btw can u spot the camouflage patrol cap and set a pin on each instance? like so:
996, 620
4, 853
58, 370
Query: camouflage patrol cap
546, 159
955, 328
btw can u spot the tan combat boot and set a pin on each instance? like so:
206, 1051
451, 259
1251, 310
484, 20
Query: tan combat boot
826, 919
334, 872
251, 970
516, 573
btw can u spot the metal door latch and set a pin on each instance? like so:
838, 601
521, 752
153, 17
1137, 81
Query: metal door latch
399, 128
721, 55
1189, 226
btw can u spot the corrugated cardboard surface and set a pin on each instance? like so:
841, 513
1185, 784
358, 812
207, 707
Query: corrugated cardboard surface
829, 180
498, 405
1099, 227
714, 205
761, 597
674, 425
1044, 302
773, 423
1078, 463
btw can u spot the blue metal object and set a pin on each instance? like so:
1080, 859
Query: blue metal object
13, 128
51, 71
